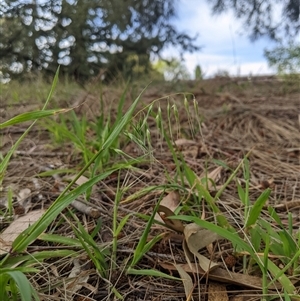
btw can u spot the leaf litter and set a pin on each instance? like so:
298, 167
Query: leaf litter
264, 117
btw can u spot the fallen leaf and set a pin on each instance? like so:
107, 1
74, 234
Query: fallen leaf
196, 239
205, 263
79, 277
187, 282
191, 153
223, 276
24, 202
164, 212
210, 179
185, 142
188, 255
23, 194
80, 181
20, 224
170, 201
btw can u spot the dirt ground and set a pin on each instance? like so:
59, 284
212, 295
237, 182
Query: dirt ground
238, 115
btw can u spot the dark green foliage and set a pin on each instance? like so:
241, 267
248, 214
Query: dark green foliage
198, 73
261, 17
285, 58
279, 20
87, 37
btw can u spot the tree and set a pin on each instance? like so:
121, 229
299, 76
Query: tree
277, 19
172, 69
86, 36
198, 73
286, 59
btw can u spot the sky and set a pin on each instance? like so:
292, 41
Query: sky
226, 46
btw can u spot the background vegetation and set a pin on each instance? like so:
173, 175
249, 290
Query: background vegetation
104, 38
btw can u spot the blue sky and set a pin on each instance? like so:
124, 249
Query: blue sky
226, 45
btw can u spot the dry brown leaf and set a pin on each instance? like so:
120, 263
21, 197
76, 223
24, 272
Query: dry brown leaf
187, 282
81, 180
54, 270
198, 238
217, 292
17, 227
264, 184
185, 142
170, 201
79, 277
210, 249
164, 212
205, 263
223, 276
191, 153
212, 177
24, 201
23, 194
188, 254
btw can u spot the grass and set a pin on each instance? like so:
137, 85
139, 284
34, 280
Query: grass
261, 241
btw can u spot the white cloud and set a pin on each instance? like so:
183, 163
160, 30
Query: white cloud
224, 46
213, 63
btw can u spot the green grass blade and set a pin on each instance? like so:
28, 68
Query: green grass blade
92, 249
97, 228
121, 103
30, 234
152, 242
140, 248
235, 239
202, 191
265, 266
36, 258
19, 269
234, 173
221, 163
24, 285
122, 224
241, 192
287, 297
53, 86
231, 236
121, 124
58, 239
275, 216
5, 161
152, 273
278, 273
257, 207
281, 277
256, 238
4, 279
28, 116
